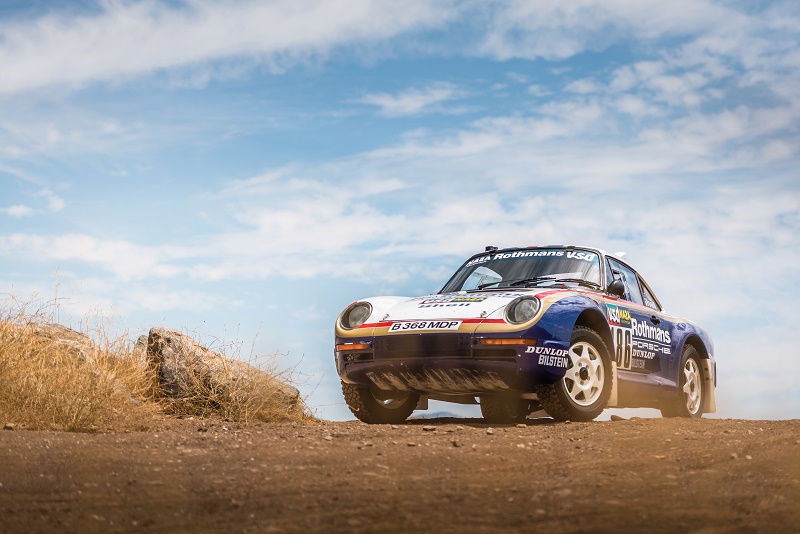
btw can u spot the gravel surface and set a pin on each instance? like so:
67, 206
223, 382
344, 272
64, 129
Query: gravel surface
434, 475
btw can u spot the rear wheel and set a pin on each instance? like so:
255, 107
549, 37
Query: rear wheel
504, 409
381, 408
689, 401
586, 386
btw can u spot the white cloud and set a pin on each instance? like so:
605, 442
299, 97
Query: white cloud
538, 90
534, 29
19, 210
412, 101
583, 86
54, 202
134, 38
122, 258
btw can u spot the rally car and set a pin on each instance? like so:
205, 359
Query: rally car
565, 329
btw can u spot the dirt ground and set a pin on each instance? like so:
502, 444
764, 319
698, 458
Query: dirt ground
440, 475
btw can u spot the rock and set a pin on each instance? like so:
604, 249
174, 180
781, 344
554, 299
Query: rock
522, 425
429, 428
183, 365
327, 438
140, 351
9, 426
617, 418
81, 347
76, 343
489, 431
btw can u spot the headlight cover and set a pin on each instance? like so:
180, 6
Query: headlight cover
355, 315
522, 309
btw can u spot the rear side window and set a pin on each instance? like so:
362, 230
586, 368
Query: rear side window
649, 299
621, 272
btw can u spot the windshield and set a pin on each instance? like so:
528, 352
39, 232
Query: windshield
503, 269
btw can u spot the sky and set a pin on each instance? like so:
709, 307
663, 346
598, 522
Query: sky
243, 170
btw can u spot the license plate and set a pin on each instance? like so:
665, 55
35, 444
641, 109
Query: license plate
409, 326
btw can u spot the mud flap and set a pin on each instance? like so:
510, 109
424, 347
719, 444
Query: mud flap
612, 399
422, 403
709, 393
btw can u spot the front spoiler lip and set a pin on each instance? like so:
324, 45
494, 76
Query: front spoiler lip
433, 375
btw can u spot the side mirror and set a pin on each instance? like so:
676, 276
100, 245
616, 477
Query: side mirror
617, 288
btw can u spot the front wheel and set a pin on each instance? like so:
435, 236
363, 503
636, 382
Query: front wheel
586, 386
689, 401
384, 410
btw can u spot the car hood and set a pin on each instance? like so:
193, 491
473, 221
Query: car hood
460, 305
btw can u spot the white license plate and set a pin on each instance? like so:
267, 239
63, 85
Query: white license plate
408, 326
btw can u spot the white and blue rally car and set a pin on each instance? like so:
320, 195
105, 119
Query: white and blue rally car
571, 330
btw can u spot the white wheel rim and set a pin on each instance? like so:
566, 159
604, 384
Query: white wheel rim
585, 377
692, 386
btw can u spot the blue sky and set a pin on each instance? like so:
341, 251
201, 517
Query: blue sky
244, 170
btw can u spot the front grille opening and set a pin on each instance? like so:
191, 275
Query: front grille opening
423, 346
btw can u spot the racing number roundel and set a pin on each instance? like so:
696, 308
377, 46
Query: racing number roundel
619, 319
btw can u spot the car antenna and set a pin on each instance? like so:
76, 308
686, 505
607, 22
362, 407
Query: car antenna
490, 248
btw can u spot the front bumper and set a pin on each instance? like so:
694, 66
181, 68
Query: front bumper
449, 364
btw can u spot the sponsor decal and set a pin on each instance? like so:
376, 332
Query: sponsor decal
408, 326
547, 351
638, 364
572, 254
647, 331
553, 361
440, 302
618, 316
647, 347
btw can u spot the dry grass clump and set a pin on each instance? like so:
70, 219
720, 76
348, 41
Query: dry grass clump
56, 379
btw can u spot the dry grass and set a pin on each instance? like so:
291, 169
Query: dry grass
46, 383
52, 378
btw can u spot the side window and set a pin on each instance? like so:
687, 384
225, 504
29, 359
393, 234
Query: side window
632, 292
649, 299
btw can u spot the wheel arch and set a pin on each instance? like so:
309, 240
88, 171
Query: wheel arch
596, 320
709, 378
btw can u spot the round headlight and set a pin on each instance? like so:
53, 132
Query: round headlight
355, 315
522, 310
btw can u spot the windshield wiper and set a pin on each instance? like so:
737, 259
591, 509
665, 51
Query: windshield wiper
531, 280
579, 281
517, 282
537, 279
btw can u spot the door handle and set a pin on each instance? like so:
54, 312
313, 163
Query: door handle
654, 319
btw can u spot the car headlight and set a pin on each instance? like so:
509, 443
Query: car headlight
355, 315
522, 309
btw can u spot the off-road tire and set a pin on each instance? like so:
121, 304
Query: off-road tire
680, 406
555, 398
367, 408
504, 409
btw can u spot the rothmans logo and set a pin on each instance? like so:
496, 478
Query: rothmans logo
653, 333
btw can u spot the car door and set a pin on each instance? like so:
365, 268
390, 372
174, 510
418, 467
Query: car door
644, 332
